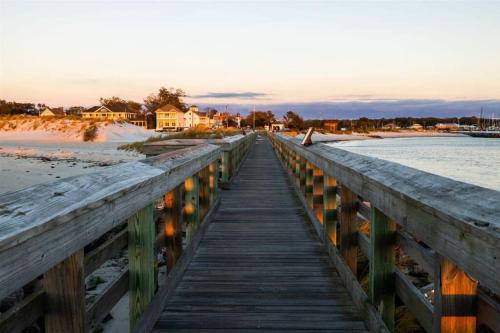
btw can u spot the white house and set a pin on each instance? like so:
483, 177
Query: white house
55, 112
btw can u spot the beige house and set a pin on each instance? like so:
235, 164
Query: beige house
168, 117
116, 112
55, 112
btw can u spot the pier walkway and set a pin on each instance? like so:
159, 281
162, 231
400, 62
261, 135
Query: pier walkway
260, 266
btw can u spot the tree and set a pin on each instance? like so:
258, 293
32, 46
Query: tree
294, 121
166, 96
117, 101
262, 118
75, 111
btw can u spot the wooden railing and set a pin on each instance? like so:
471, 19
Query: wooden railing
54, 236
388, 212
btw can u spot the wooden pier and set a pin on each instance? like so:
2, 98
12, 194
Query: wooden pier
260, 265
301, 239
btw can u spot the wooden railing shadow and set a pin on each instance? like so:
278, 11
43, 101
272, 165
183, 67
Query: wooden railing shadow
54, 235
383, 210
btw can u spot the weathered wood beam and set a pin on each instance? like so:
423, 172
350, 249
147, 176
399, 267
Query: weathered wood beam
64, 305
23, 314
456, 309
330, 208
141, 231
191, 206
381, 291
110, 248
348, 228
318, 193
309, 184
173, 226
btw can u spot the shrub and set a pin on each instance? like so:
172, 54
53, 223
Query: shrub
90, 133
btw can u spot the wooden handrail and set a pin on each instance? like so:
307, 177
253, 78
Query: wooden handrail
459, 224
43, 230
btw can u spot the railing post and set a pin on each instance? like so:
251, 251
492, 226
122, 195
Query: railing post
191, 206
302, 177
348, 228
318, 193
141, 259
297, 170
65, 296
225, 166
455, 307
173, 226
213, 171
381, 289
309, 184
330, 208
203, 192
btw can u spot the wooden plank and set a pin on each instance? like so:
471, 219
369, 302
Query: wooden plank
330, 208
488, 311
416, 302
173, 226
309, 183
381, 289
141, 230
105, 251
302, 179
191, 206
81, 209
348, 228
64, 286
225, 169
100, 308
23, 314
423, 256
318, 193
457, 299
463, 225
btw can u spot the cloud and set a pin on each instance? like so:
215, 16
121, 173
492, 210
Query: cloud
376, 108
243, 95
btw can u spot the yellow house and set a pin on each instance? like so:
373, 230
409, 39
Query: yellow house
168, 117
116, 112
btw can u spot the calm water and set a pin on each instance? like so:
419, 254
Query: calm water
471, 160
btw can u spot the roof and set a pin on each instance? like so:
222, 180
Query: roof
56, 111
112, 108
167, 107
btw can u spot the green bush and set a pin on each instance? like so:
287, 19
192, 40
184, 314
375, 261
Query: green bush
90, 133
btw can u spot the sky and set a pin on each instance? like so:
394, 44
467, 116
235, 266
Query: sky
287, 54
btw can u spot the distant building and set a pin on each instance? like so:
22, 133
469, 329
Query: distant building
330, 125
54, 112
416, 127
277, 126
447, 126
169, 118
391, 126
115, 112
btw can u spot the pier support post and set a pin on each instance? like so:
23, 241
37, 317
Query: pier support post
330, 208
64, 286
173, 226
191, 206
455, 308
225, 166
318, 193
297, 170
302, 177
309, 184
213, 171
381, 289
348, 228
141, 261
203, 192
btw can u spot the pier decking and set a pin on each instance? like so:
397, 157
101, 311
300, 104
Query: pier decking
260, 266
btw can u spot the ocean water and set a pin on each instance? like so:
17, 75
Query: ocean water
471, 160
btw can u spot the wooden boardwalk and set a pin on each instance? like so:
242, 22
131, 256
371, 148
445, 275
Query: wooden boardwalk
260, 266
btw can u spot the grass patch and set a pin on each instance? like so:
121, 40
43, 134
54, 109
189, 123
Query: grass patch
192, 133
90, 133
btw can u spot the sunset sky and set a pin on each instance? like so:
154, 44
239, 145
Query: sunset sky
73, 52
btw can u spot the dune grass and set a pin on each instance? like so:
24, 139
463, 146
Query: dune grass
192, 133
